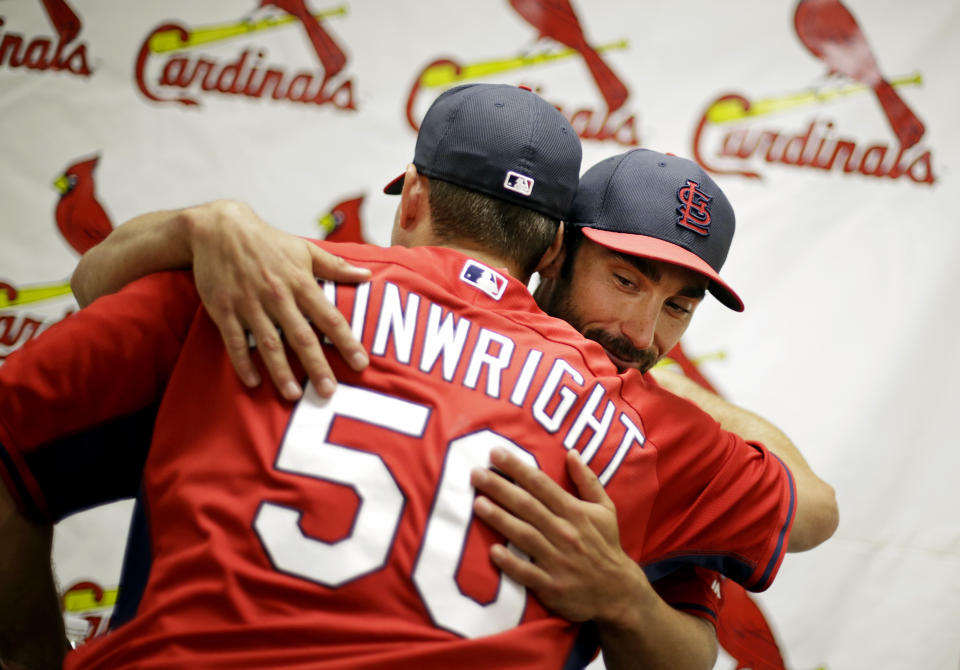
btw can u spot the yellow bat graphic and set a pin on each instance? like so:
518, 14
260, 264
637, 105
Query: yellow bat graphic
84, 600
169, 40
696, 360
725, 111
445, 74
11, 296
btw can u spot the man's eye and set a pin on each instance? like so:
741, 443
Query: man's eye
678, 308
623, 281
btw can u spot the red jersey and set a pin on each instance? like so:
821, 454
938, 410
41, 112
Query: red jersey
693, 590
339, 533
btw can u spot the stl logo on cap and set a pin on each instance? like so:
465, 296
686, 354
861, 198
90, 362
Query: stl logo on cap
481, 277
694, 209
518, 183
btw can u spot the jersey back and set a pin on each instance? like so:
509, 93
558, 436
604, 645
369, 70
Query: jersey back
338, 533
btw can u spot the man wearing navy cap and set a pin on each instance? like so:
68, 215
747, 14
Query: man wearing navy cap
474, 354
660, 217
646, 237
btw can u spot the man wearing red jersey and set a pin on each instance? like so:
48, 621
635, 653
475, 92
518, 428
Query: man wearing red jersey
493, 367
624, 282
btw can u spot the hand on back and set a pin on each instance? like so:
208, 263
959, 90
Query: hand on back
257, 279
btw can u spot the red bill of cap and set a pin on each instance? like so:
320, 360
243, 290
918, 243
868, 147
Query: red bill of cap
661, 250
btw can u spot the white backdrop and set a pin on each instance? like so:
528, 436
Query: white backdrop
849, 269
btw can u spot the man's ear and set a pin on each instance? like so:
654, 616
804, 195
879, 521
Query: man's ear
414, 199
552, 260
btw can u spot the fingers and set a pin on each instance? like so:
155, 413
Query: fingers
238, 349
525, 536
542, 505
522, 510
301, 307
532, 480
256, 278
328, 266
520, 534
327, 319
305, 343
324, 315
234, 322
270, 345
588, 485
519, 568
292, 305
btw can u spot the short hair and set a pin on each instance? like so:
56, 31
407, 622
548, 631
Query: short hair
518, 234
572, 239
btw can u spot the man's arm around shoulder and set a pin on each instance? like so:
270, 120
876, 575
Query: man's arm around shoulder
817, 513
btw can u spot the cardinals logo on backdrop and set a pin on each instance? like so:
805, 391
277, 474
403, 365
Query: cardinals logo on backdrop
82, 222
729, 140
342, 223
87, 607
80, 217
171, 69
15, 329
41, 53
560, 30
17, 326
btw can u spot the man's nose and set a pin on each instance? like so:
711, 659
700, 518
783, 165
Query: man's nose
639, 323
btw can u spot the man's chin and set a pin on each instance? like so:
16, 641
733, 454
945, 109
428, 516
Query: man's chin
624, 365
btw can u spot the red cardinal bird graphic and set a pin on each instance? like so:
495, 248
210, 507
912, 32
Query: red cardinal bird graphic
331, 56
830, 32
80, 218
743, 631
690, 369
343, 223
556, 19
65, 21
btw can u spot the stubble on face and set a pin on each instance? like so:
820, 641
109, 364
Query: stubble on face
553, 297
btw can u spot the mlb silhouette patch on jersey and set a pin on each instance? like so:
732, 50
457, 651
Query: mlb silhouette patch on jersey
481, 277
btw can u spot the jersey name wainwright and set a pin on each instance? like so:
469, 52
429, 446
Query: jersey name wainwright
441, 339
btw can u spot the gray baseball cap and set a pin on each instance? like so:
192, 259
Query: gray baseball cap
504, 141
660, 206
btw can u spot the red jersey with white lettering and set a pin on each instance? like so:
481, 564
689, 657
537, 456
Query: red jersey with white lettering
338, 533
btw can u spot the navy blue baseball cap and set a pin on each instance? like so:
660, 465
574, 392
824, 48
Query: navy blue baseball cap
659, 206
504, 141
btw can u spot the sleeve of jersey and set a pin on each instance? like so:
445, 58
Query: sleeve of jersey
109, 360
692, 590
723, 504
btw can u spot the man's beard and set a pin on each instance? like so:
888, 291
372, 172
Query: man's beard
556, 302
619, 346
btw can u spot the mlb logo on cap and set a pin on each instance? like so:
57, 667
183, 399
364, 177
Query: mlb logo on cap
480, 276
518, 183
